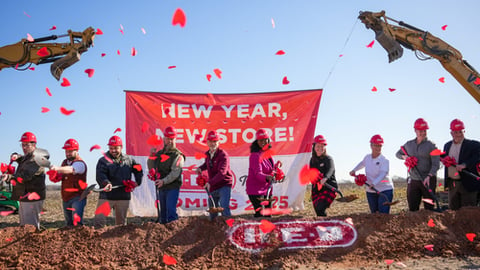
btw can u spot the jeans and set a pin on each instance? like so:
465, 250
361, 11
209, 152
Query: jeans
221, 197
72, 207
167, 199
376, 201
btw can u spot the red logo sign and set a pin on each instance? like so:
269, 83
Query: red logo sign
297, 234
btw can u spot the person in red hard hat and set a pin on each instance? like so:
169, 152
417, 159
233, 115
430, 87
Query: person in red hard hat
422, 167
260, 172
29, 182
322, 197
376, 170
220, 176
462, 187
170, 171
73, 174
114, 173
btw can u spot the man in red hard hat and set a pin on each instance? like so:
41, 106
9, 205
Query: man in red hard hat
464, 154
114, 174
170, 172
73, 174
423, 167
29, 181
220, 176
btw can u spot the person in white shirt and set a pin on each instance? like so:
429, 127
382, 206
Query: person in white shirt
376, 169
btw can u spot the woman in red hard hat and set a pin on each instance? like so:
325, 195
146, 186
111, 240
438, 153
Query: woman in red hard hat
322, 197
376, 170
260, 171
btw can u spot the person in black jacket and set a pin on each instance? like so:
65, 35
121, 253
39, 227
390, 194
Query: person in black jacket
28, 182
464, 155
322, 197
114, 174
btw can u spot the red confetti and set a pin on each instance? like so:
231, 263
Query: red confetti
392, 89
65, 111
82, 184
179, 18
267, 154
71, 189
444, 27
429, 201
45, 109
229, 222
48, 91
285, 81
164, 157
370, 45
137, 167
33, 196
99, 32
209, 77
30, 38
388, 262
169, 260
53, 28
470, 236
199, 155
65, 82
143, 31
308, 175
167, 110
442, 80
155, 140
117, 130
6, 213
477, 81
429, 247
96, 146
27, 14
20, 179
265, 203
106, 157
103, 54
349, 220
118, 52
275, 211
266, 226
43, 52
280, 52
144, 127
218, 73
103, 209
90, 72
170, 67
374, 89
76, 219
134, 51
431, 223
31, 68
340, 55
437, 152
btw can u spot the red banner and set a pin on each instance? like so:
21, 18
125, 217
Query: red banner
289, 117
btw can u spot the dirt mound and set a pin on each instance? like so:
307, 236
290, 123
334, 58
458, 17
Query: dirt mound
197, 243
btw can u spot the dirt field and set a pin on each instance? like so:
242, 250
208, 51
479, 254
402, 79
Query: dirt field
394, 241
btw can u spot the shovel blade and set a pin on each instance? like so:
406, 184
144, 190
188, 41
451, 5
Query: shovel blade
215, 210
87, 191
348, 198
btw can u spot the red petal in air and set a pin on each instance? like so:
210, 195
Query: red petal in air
31, 68
275, 211
117, 130
96, 146
218, 73
45, 109
370, 45
388, 262
70, 189
280, 52
137, 167
90, 72
307, 175
33, 196
65, 111
442, 80
392, 89
103, 209
374, 89
76, 219
267, 154
155, 140
429, 201
444, 27
164, 157
20, 179
429, 247
266, 226
99, 32
48, 91
229, 221
477, 81
285, 81
70, 209
65, 82
431, 223
170, 67
179, 18
436, 152
82, 184
470, 236
265, 203
103, 54
43, 52
349, 220
118, 52
6, 213
199, 155
209, 77
30, 38
53, 28
169, 260
134, 51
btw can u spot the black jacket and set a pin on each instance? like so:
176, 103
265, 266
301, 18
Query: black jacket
470, 156
29, 178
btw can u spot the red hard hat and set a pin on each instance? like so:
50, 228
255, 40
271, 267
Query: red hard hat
71, 144
212, 136
377, 139
261, 134
420, 124
457, 125
28, 137
115, 141
170, 132
320, 139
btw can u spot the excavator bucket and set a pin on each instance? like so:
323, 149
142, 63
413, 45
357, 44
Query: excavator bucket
61, 64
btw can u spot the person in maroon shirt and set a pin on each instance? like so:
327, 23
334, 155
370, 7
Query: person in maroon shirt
220, 176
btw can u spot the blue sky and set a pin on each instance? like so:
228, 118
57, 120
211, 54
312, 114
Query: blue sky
238, 37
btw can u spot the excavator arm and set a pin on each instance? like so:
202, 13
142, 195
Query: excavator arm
393, 37
63, 55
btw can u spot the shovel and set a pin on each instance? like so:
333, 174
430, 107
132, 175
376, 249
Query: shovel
91, 188
41, 156
388, 202
342, 198
214, 209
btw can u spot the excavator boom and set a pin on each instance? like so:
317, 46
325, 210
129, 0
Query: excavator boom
393, 37
63, 55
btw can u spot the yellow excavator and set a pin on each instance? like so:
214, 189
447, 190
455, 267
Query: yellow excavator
36, 51
393, 37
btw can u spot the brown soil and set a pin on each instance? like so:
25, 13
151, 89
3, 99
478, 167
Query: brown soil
197, 243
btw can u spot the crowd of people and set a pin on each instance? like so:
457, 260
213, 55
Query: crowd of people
115, 169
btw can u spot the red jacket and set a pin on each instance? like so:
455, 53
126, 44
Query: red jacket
218, 168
